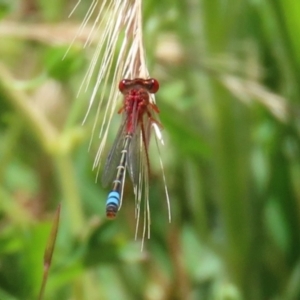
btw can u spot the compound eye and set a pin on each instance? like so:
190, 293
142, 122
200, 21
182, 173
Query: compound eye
152, 85
124, 84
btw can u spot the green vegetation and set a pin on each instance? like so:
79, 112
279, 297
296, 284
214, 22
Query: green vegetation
229, 98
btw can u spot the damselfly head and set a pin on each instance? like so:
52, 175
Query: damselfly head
151, 85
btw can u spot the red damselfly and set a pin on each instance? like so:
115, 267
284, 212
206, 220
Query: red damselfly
130, 149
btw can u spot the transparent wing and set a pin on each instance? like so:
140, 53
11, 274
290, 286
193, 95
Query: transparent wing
138, 158
114, 156
134, 157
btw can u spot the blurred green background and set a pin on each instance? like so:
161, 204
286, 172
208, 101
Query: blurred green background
229, 99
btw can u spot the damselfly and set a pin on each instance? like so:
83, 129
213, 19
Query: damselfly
130, 149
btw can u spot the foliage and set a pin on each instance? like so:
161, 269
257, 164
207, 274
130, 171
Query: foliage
229, 100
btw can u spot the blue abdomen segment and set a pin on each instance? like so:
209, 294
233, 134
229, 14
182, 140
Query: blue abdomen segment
112, 204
